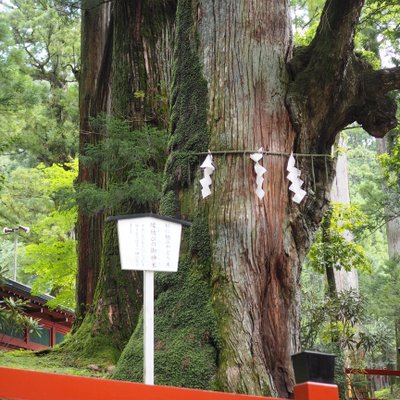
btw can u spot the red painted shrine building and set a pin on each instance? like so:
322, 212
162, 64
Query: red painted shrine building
55, 323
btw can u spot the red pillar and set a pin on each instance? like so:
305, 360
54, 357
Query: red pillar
316, 391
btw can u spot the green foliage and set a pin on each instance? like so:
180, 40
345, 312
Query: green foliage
330, 319
306, 15
333, 246
382, 293
199, 242
39, 48
13, 318
43, 199
330, 325
133, 160
343, 321
391, 164
185, 334
389, 393
377, 30
168, 204
52, 261
366, 189
370, 341
380, 287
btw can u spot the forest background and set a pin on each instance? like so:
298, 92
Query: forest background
39, 145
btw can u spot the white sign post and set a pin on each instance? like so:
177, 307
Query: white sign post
149, 243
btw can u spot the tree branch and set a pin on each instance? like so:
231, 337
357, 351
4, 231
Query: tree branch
328, 69
383, 80
375, 110
335, 33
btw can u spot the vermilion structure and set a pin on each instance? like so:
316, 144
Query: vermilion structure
29, 385
55, 323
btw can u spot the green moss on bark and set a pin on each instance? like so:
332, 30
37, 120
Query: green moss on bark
186, 338
169, 204
189, 132
85, 347
109, 323
185, 334
199, 240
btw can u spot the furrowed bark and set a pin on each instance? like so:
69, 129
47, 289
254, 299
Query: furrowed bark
242, 48
136, 87
383, 80
125, 82
253, 260
93, 97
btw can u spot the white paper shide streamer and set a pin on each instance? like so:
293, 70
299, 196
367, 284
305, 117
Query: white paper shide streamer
296, 182
208, 168
260, 171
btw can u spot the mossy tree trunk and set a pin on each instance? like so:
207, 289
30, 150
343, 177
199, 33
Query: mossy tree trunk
124, 80
237, 82
242, 49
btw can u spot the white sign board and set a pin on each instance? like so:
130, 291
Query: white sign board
149, 244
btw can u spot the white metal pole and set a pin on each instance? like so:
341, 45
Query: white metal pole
148, 334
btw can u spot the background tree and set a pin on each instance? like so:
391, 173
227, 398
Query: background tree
93, 99
39, 53
42, 198
42, 41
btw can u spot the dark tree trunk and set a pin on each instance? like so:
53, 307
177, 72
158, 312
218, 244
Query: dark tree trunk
329, 267
121, 76
93, 99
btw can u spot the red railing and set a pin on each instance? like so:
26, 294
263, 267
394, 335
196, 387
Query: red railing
369, 371
16, 384
362, 393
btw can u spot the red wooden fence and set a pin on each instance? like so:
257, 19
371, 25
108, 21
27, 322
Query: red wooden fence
16, 384
369, 371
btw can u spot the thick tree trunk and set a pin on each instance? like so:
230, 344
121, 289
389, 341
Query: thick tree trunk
118, 296
255, 264
258, 245
241, 52
122, 76
93, 99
